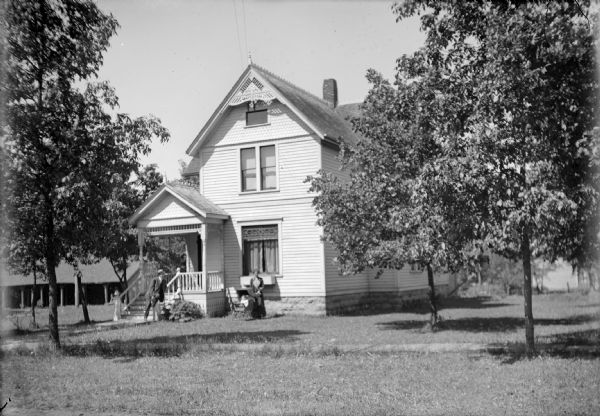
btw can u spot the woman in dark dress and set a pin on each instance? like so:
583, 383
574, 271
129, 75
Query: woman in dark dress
255, 291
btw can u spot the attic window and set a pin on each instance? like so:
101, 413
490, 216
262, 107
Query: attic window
256, 114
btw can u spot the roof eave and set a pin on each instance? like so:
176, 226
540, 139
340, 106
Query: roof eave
166, 188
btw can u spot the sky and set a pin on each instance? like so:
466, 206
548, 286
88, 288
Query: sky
177, 59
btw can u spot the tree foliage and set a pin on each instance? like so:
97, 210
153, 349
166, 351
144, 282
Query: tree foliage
120, 245
66, 145
485, 140
520, 157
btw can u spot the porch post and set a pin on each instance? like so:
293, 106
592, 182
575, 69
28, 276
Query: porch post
22, 298
203, 235
140, 234
222, 242
41, 296
4, 297
62, 295
105, 293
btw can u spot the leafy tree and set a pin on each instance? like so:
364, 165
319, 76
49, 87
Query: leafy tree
168, 252
520, 158
63, 147
120, 245
378, 217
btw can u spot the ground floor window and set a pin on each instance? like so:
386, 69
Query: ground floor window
260, 249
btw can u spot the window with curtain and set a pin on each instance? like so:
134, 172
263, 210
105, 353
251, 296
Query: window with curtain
260, 249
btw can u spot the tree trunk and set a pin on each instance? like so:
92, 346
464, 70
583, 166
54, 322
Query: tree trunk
33, 298
86, 315
527, 289
432, 300
50, 258
125, 286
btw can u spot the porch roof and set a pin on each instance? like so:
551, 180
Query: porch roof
187, 194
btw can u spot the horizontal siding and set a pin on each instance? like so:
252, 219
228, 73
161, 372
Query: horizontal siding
387, 282
296, 159
408, 280
213, 248
166, 212
331, 163
338, 284
301, 248
282, 123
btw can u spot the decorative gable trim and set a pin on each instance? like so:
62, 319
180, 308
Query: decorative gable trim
250, 86
252, 90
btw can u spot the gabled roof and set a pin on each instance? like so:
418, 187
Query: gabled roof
329, 124
188, 194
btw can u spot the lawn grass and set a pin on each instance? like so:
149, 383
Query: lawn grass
67, 316
569, 318
257, 384
479, 320
298, 365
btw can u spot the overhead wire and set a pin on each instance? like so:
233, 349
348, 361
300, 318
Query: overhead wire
245, 29
237, 29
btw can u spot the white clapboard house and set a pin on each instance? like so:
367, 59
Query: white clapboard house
249, 205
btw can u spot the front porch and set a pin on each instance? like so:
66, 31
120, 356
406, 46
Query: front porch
178, 209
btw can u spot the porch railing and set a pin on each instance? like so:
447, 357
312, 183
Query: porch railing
136, 287
194, 282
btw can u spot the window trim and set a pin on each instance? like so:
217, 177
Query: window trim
253, 109
415, 267
251, 223
256, 148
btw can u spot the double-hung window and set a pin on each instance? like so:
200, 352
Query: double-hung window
260, 249
265, 166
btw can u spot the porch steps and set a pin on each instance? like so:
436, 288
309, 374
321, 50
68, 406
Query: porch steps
137, 309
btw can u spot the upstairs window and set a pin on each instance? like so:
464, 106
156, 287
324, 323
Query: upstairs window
256, 114
248, 157
268, 174
266, 168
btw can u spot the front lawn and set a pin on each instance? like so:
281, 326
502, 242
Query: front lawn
471, 320
333, 384
558, 317
298, 364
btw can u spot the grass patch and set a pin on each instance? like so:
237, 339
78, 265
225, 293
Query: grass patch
480, 320
273, 381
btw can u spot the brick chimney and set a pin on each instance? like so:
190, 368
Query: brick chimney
330, 92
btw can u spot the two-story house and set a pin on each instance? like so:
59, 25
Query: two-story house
251, 207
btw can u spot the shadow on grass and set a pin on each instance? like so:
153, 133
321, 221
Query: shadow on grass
165, 346
477, 302
501, 324
421, 306
583, 345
